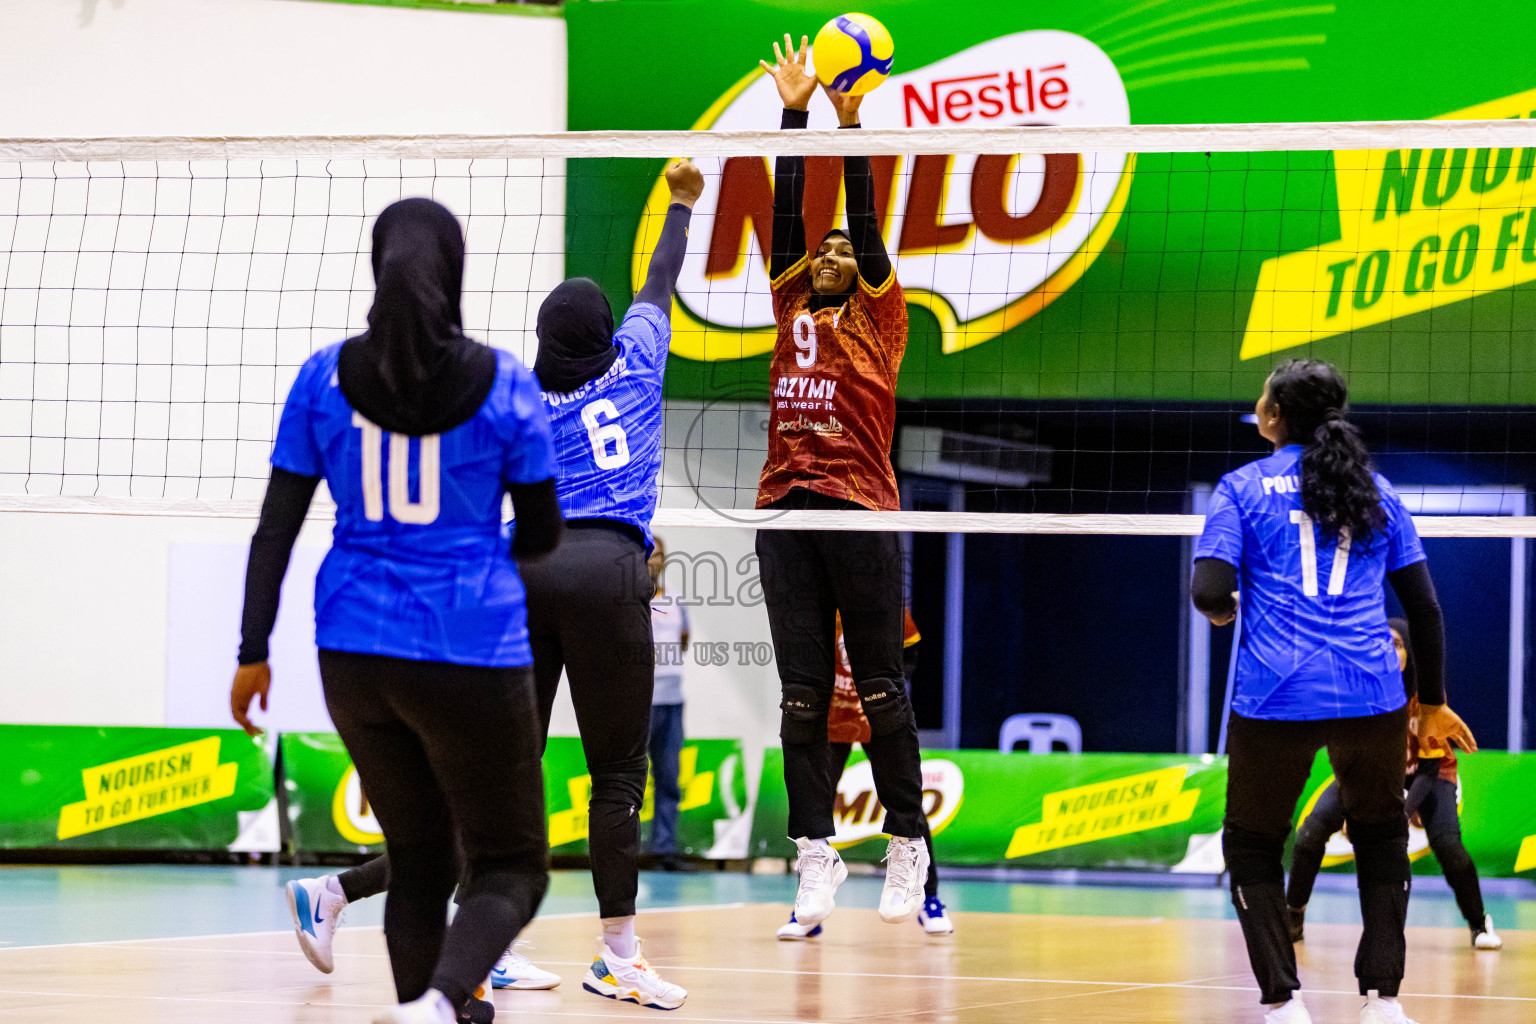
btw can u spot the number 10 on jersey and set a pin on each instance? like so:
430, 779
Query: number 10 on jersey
401, 508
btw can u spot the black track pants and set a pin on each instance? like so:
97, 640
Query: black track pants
589, 614
808, 576
442, 751
1434, 799
1267, 768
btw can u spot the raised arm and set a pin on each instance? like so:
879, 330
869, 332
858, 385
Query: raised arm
796, 87
667, 261
863, 224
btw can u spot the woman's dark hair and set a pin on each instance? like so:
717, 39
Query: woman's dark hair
1337, 487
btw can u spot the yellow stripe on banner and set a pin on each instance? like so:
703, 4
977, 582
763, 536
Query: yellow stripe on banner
1526, 860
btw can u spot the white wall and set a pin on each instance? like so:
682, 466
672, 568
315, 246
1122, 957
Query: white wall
83, 599
274, 67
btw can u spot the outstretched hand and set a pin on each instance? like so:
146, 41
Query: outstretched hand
796, 84
686, 182
1439, 726
250, 682
846, 105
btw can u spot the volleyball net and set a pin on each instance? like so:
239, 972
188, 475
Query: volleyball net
1093, 310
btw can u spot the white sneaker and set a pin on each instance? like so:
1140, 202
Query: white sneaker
432, 1008
933, 918
821, 872
1487, 938
906, 869
1378, 1011
514, 970
316, 911
794, 931
631, 980
1291, 1012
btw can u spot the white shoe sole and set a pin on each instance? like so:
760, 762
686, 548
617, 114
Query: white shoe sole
811, 919
599, 987
311, 951
524, 985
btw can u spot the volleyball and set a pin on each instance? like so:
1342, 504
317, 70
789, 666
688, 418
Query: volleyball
853, 53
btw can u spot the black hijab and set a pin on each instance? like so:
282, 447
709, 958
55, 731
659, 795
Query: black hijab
575, 330
820, 301
413, 371
1410, 670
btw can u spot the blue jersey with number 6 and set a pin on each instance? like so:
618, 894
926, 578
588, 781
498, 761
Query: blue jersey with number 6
1315, 642
608, 431
420, 566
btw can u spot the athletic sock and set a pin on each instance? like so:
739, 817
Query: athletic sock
619, 934
333, 885
821, 842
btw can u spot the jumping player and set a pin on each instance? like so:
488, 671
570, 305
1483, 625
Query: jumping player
1431, 797
846, 725
842, 330
589, 603
1309, 536
419, 612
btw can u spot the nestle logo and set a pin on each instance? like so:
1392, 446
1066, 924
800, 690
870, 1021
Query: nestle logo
988, 96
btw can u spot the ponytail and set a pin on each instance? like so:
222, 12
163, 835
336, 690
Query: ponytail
1338, 488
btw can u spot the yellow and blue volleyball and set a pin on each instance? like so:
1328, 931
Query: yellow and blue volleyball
853, 53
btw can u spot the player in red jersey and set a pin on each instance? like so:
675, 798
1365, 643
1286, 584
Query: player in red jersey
842, 323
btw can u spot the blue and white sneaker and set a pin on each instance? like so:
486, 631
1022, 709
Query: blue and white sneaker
933, 918
516, 971
632, 980
316, 905
794, 931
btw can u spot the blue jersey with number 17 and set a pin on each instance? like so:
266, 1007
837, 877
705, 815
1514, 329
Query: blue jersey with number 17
419, 565
608, 431
1315, 642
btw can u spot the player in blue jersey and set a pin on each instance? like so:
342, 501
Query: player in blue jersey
1307, 538
589, 604
419, 607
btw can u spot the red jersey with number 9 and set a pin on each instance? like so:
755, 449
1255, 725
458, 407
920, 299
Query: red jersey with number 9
832, 407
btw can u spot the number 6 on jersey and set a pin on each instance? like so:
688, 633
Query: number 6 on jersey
600, 434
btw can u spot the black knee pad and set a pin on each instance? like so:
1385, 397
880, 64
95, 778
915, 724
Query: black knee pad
1252, 857
1381, 851
804, 718
1312, 834
885, 705
620, 782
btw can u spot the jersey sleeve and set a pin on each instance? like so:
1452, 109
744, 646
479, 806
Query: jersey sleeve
1403, 544
530, 452
887, 306
295, 449
645, 334
1222, 536
790, 287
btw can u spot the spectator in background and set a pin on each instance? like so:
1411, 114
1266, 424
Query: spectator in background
669, 633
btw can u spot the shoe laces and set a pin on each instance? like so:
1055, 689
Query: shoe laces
814, 865
901, 864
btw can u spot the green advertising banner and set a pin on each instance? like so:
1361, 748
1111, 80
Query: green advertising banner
1151, 812
127, 788
330, 813
1099, 275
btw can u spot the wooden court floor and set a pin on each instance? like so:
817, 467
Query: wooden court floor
998, 967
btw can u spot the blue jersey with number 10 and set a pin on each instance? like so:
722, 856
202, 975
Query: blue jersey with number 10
608, 431
419, 565
1315, 642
